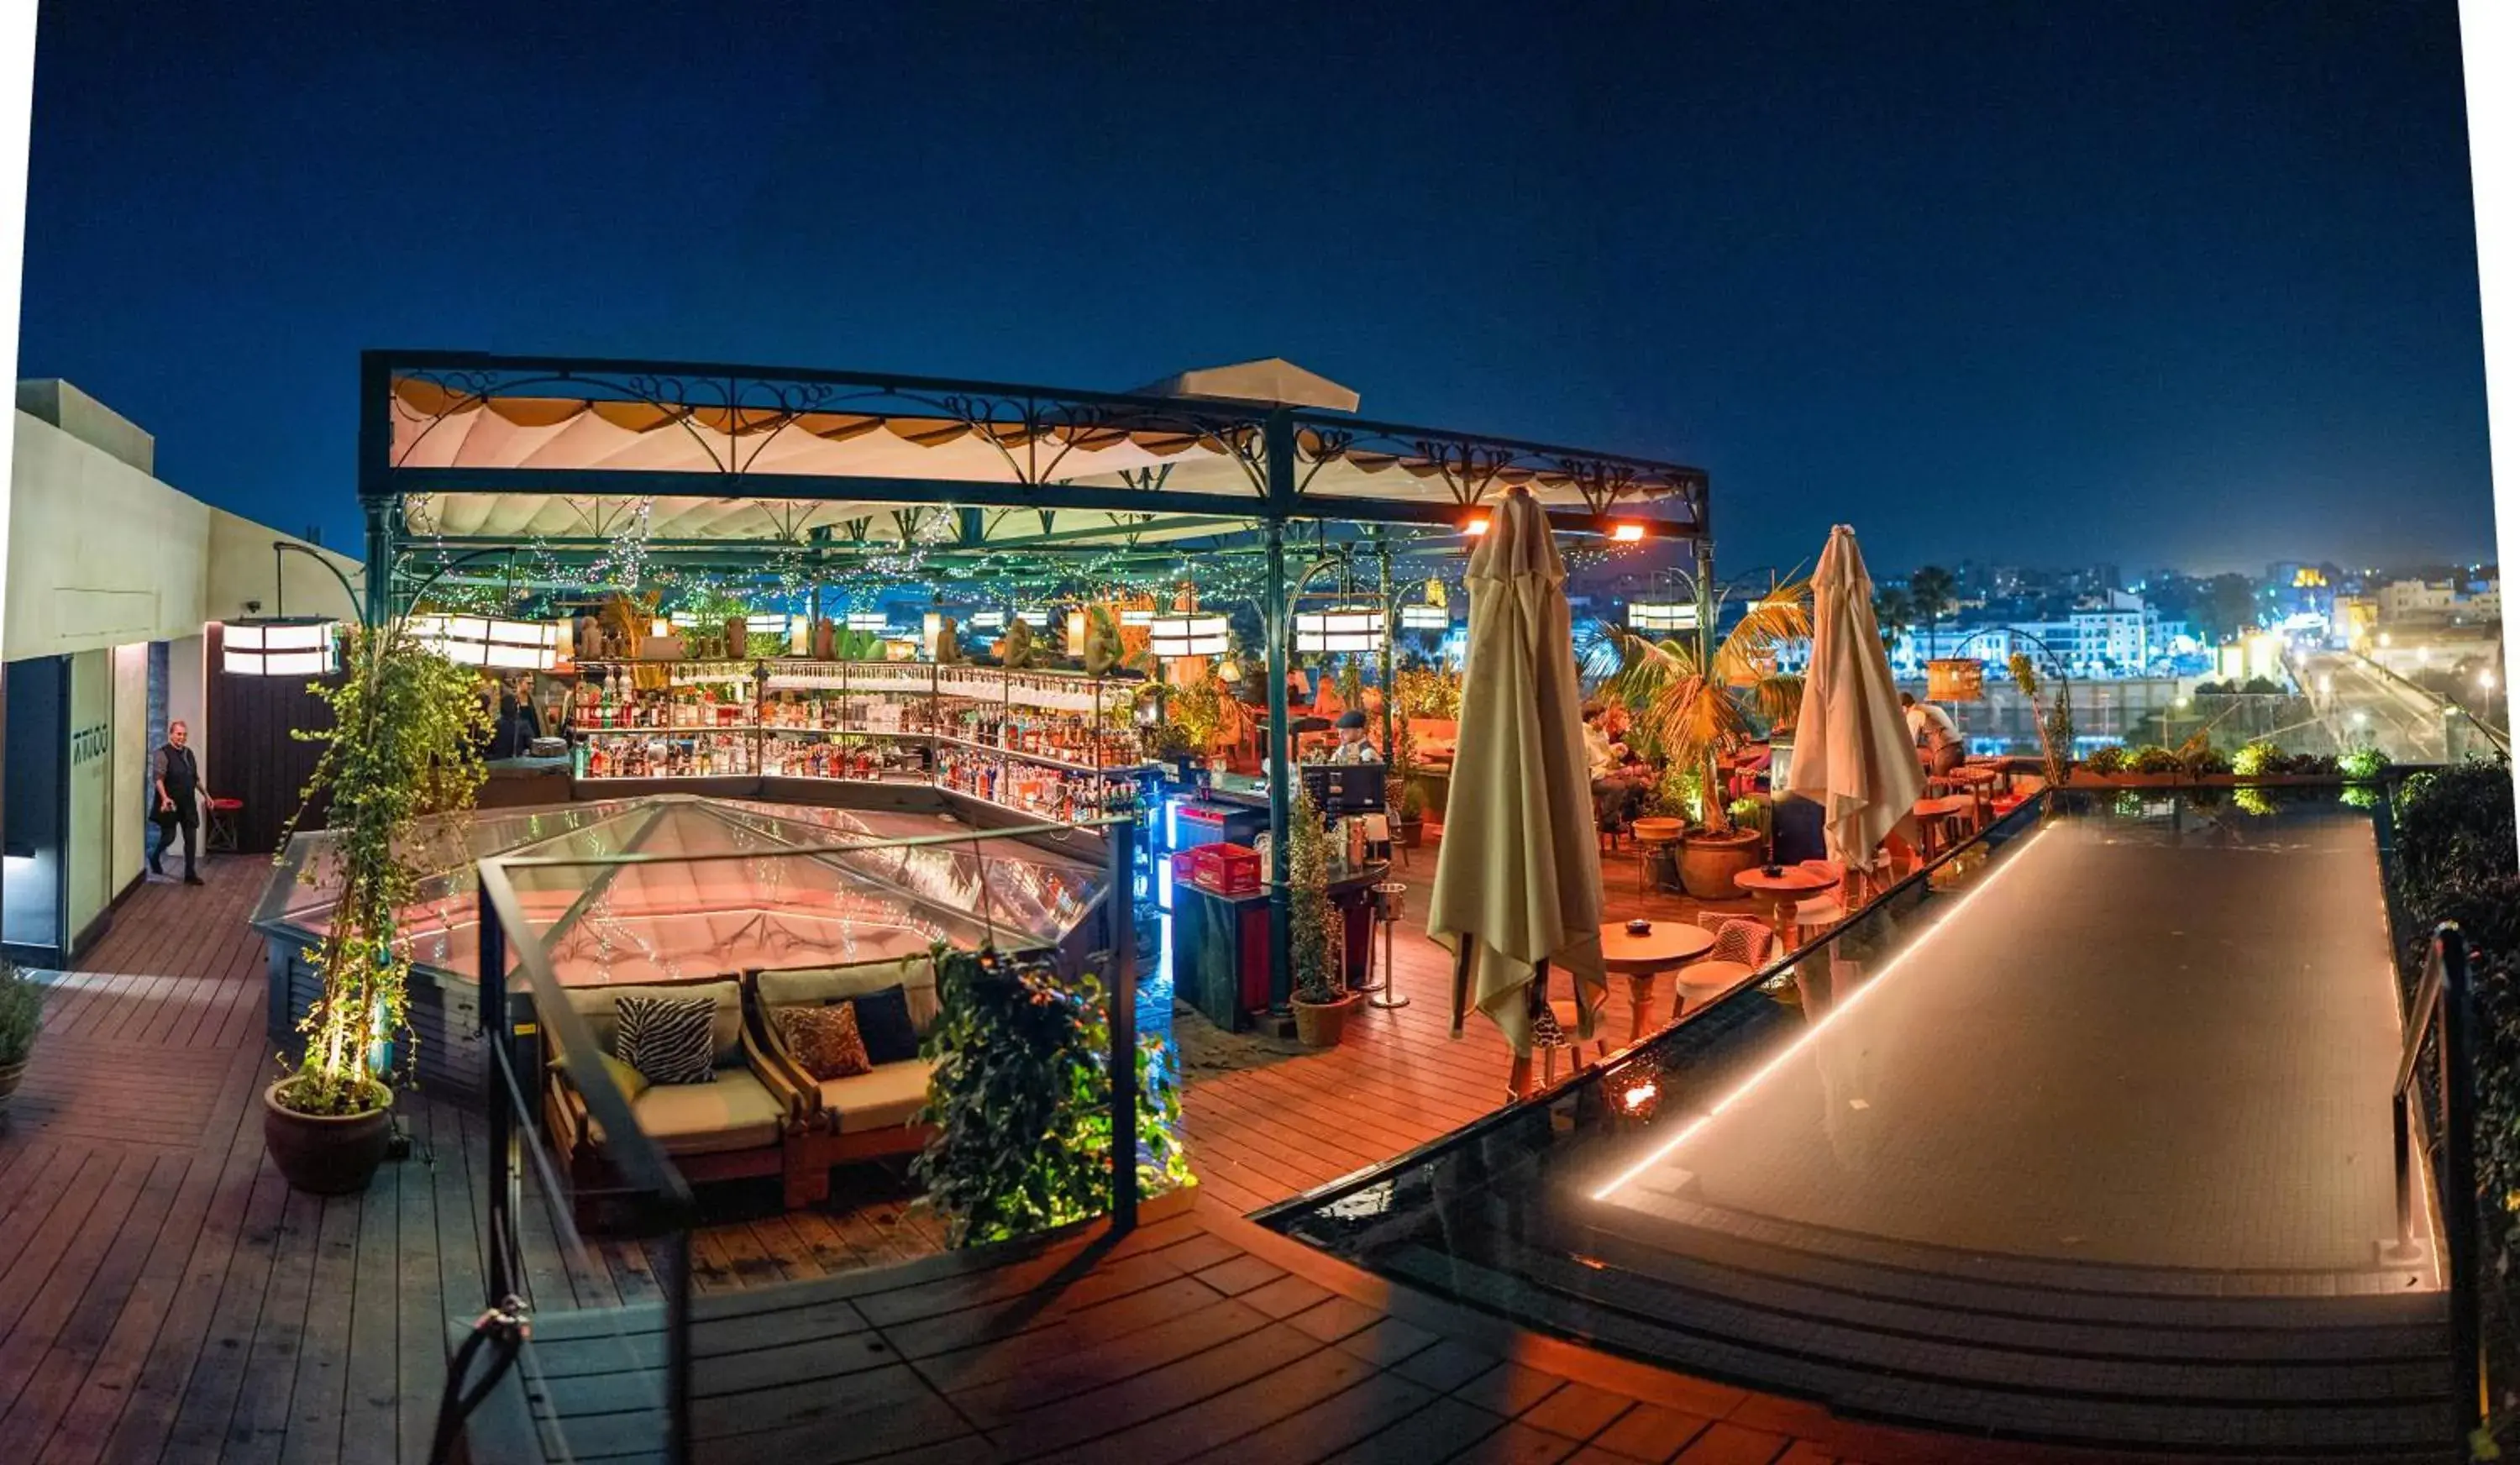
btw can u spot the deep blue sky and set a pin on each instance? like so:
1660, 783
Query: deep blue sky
2177, 282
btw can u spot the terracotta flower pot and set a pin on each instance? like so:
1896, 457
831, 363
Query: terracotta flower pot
1709, 862
325, 1154
1323, 1024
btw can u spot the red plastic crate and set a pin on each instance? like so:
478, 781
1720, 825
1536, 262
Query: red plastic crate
1185, 866
1228, 868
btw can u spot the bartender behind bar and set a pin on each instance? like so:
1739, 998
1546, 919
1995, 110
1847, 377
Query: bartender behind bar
1352, 744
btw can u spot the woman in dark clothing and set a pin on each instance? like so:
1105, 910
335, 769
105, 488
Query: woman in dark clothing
512, 737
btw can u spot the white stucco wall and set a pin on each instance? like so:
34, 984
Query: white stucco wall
100, 554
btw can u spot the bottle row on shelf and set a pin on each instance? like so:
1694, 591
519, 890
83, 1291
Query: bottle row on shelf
1037, 786
665, 754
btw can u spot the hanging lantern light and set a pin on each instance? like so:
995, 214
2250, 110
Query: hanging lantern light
1171, 635
1955, 679
500, 644
1349, 628
280, 649
1662, 616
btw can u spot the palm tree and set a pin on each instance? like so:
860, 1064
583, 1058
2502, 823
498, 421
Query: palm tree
1930, 590
1694, 717
1892, 608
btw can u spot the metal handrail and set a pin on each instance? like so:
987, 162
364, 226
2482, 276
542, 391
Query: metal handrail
2442, 1008
661, 1198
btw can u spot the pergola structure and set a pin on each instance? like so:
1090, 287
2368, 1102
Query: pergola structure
473, 459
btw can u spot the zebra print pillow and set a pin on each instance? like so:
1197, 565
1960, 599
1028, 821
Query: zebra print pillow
669, 1040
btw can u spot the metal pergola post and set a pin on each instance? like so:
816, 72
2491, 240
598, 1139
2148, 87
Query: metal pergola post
1279, 438
1390, 631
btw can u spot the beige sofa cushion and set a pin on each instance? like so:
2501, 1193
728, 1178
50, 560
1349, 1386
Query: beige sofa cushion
734, 1113
817, 985
888, 1097
726, 1030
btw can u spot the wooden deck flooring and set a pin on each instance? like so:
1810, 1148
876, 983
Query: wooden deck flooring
164, 1297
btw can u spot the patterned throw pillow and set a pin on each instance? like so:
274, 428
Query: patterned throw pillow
825, 1040
670, 1040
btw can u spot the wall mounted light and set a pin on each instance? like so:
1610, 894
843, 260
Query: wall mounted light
1627, 533
1425, 617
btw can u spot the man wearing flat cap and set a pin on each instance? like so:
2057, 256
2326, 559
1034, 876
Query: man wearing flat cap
1352, 746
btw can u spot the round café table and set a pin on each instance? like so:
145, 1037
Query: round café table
1668, 946
1935, 817
1785, 889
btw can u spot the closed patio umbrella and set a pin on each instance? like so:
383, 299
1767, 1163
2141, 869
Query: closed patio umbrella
1518, 875
1852, 754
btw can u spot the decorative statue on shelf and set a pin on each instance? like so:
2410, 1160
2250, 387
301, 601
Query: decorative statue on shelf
1014, 649
1102, 646
949, 642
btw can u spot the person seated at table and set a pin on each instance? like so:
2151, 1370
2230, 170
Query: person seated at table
1352, 746
1619, 776
1938, 737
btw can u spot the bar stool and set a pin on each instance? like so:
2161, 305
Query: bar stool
220, 833
1389, 904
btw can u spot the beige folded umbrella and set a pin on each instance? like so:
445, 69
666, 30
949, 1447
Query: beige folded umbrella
1518, 875
1852, 754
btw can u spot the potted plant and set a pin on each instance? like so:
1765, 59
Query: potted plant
1694, 714
22, 1016
1021, 1101
407, 729
1409, 800
1318, 952
1168, 741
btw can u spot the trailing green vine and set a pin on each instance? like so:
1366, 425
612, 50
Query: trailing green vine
408, 726
1021, 1101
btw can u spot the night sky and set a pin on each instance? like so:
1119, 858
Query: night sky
2173, 283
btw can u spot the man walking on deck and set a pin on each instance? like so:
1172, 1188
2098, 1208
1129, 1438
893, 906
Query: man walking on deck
180, 798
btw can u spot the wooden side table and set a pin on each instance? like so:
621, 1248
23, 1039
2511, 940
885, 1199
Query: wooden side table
1934, 818
1785, 889
1640, 959
1653, 835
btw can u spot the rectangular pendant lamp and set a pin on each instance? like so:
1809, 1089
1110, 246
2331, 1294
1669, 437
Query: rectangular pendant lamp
288, 649
1351, 628
1170, 636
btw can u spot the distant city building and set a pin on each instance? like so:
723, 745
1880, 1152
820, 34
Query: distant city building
2413, 599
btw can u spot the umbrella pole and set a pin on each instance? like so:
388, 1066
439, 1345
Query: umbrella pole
1461, 980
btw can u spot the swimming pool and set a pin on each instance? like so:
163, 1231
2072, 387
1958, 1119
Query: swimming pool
2064, 1141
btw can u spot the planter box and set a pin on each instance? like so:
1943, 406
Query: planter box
2086, 778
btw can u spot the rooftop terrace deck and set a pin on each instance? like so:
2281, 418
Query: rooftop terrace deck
164, 1298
